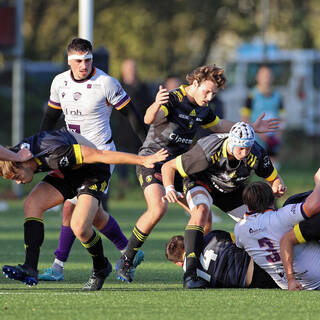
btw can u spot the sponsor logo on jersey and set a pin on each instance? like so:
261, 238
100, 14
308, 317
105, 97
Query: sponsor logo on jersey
89, 85
93, 187
148, 178
293, 209
65, 83
77, 96
64, 162
25, 145
266, 161
71, 112
119, 91
177, 139
183, 116
158, 176
63, 94
254, 231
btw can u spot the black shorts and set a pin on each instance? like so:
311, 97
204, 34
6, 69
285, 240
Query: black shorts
224, 201
89, 179
148, 176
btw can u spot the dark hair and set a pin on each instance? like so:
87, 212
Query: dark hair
211, 73
175, 249
258, 196
79, 45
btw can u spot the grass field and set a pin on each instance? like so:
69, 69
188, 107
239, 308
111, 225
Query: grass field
156, 292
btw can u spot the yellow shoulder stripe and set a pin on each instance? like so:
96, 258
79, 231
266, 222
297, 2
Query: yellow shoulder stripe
165, 110
212, 123
273, 175
180, 167
298, 234
77, 153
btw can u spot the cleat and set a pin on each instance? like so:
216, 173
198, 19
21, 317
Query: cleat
194, 282
51, 275
97, 278
22, 273
125, 269
138, 258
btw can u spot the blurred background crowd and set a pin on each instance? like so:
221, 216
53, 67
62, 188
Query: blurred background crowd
270, 50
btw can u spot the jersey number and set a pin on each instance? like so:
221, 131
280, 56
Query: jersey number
274, 256
206, 258
75, 128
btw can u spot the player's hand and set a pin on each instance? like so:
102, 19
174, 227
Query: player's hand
24, 155
294, 285
279, 189
149, 161
270, 125
162, 96
317, 177
172, 195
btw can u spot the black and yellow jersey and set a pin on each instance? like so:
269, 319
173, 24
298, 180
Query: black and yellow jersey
176, 124
208, 162
58, 149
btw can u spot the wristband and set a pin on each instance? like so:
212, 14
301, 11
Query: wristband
170, 188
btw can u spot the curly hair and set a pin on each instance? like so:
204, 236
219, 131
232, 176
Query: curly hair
175, 249
211, 73
8, 168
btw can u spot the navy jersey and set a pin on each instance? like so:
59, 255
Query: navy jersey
176, 124
223, 264
208, 162
56, 149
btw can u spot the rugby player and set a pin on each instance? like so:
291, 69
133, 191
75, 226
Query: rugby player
222, 263
20, 156
86, 96
215, 171
262, 228
79, 170
174, 118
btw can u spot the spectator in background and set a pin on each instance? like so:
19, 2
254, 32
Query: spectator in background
126, 141
263, 98
172, 82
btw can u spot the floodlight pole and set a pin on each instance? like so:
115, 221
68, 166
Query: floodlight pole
18, 87
85, 28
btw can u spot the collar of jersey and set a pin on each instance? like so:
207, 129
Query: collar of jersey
250, 213
183, 90
93, 72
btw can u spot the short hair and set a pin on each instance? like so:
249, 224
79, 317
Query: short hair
175, 249
79, 45
258, 196
211, 73
8, 168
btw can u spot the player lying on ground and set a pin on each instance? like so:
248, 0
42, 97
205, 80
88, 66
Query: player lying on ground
222, 263
262, 228
216, 171
79, 171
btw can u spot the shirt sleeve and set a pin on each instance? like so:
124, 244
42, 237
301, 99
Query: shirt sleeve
115, 94
192, 161
265, 168
289, 215
211, 120
54, 100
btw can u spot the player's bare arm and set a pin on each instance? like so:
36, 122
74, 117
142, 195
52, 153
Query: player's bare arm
91, 155
162, 97
21, 156
287, 243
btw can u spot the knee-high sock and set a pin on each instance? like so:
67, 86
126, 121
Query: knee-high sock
136, 241
33, 239
94, 247
66, 240
193, 243
113, 232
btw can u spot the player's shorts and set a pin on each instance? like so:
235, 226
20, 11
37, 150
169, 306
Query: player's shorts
224, 201
89, 179
148, 176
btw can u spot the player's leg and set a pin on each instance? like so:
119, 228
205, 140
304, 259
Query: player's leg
81, 224
155, 211
66, 240
199, 201
35, 205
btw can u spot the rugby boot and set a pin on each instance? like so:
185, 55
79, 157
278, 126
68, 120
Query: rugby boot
97, 278
194, 282
22, 273
125, 269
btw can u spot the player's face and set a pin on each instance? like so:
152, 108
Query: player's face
204, 92
22, 175
80, 68
241, 153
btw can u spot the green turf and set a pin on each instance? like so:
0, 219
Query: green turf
156, 292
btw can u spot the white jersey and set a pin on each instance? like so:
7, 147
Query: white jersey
260, 235
87, 104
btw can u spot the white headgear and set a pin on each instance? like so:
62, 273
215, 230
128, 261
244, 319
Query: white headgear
241, 135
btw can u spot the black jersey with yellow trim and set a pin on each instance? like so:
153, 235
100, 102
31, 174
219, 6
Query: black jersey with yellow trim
223, 264
208, 162
57, 149
308, 230
176, 124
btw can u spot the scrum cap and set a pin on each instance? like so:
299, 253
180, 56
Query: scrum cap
241, 135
